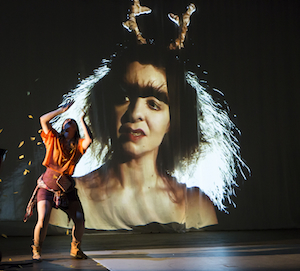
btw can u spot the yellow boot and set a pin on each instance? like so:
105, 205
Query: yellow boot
76, 252
36, 252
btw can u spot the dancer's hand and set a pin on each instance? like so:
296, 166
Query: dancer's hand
67, 105
83, 114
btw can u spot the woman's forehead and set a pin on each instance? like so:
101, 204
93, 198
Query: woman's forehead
144, 75
69, 120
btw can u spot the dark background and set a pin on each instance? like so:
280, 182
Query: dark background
249, 48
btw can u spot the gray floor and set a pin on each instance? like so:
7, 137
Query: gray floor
207, 250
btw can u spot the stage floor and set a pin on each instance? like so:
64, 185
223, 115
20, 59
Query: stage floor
207, 250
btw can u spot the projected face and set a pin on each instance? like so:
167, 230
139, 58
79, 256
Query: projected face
142, 110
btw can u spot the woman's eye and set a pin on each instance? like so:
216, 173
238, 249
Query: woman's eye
153, 105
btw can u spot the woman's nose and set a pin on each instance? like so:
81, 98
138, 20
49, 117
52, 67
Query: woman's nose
137, 110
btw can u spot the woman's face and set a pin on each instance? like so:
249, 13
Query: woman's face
69, 128
142, 110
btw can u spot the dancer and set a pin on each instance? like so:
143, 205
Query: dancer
56, 187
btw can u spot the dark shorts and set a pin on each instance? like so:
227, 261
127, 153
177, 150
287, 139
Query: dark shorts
44, 194
50, 178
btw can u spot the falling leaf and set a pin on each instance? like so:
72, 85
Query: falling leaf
39, 131
0, 180
21, 144
10, 259
32, 138
26, 171
16, 192
21, 156
29, 163
39, 143
4, 235
1, 130
67, 232
30, 116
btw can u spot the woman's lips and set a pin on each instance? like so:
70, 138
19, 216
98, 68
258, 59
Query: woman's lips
133, 135
136, 135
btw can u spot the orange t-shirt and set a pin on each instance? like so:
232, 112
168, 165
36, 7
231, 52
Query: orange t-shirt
55, 157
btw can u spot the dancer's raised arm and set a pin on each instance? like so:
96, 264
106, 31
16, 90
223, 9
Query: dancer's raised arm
88, 138
45, 119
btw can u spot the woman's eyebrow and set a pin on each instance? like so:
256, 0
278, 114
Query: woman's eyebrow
147, 91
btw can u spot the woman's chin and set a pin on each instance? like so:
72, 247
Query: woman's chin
131, 152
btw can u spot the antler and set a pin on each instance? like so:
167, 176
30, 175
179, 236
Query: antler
178, 44
131, 24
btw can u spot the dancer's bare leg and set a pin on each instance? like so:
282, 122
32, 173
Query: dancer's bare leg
44, 210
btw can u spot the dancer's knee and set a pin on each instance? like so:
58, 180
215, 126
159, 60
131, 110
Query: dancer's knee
42, 223
79, 217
